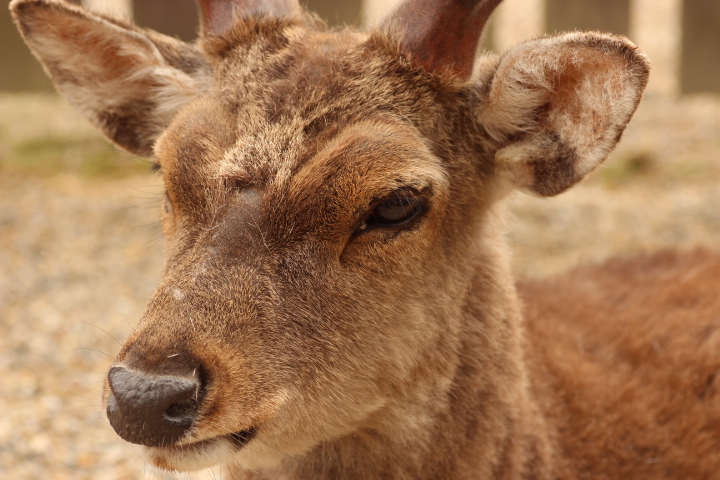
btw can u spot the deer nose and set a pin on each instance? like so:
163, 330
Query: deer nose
151, 410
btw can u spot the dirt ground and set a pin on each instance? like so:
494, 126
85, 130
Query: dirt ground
80, 252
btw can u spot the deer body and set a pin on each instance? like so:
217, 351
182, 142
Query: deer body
631, 351
337, 300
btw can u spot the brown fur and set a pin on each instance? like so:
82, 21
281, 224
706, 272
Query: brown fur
631, 351
374, 353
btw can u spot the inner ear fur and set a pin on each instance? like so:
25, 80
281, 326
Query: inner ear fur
558, 105
127, 81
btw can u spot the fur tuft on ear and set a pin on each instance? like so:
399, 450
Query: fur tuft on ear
558, 105
127, 81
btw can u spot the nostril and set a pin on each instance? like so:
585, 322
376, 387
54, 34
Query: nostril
181, 410
151, 410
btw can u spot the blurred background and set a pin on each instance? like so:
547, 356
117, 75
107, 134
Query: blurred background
80, 247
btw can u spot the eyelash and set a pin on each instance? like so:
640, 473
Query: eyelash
399, 210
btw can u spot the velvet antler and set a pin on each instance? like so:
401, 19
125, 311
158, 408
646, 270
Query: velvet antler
218, 16
443, 34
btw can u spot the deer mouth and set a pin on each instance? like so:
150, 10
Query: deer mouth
202, 454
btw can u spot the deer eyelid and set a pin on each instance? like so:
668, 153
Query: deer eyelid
398, 210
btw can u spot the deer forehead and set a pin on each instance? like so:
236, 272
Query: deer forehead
335, 174
324, 124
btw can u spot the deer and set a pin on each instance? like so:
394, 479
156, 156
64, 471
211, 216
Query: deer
337, 300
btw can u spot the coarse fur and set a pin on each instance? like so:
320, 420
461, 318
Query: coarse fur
356, 352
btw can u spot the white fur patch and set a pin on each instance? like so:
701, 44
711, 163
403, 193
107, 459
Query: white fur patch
192, 458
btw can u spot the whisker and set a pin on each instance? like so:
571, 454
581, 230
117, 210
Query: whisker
277, 450
102, 330
94, 350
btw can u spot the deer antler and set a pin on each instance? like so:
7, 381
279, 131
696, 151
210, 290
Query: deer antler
218, 16
443, 34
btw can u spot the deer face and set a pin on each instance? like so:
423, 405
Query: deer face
329, 207
305, 251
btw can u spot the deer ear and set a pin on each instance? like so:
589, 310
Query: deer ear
558, 106
127, 81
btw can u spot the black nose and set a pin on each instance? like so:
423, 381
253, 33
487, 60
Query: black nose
151, 410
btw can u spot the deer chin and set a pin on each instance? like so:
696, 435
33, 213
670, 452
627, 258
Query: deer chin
199, 455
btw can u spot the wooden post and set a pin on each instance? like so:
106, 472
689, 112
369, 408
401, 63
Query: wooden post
114, 8
655, 26
183, 23
603, 15
337, 12
19, 70
700, 64
375, 10
515, 21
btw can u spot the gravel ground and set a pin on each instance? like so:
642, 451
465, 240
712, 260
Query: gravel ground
77, 260
80, 254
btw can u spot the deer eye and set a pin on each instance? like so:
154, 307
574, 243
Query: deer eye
399, 210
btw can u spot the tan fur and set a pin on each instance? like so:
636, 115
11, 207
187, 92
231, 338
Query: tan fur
382, 353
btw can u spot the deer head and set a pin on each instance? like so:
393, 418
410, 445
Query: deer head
336, 286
